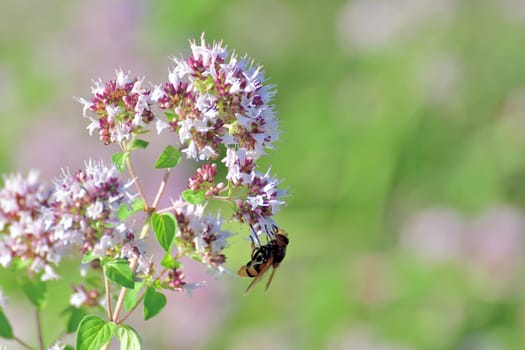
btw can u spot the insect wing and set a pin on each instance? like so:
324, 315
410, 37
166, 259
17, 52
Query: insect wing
263, 270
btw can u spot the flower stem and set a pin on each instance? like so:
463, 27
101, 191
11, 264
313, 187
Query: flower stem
108, 297
39, 330
139, 300
22, 343
161, 189
122, 295
135, 179
170, 208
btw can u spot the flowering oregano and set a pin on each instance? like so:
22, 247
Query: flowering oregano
217, 108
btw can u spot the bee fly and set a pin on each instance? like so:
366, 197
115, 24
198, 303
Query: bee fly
265, 256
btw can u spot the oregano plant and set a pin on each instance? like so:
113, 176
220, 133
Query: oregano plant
216, 108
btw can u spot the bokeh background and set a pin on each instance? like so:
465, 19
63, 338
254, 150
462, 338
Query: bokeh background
403, 151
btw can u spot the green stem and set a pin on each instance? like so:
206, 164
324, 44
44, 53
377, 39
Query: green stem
134, 177
122, 295
108, 297
171, 208
161, 189
39, 330
22, 343
139, 300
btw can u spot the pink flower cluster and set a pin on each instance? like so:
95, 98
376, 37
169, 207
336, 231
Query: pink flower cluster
201, 236
121, 108
41, 226
84, 211
216, 108
23, 233
219, 107
216, 98
263, 198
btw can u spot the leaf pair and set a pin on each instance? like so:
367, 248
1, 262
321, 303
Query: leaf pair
165, 229
154, 301
169, 158
93, 332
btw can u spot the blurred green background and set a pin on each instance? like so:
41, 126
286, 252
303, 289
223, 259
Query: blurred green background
402, 150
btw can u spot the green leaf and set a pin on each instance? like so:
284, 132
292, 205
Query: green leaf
194, 197
169, 262
164, 226
206, 85
170, 116
129, 338
119, 271
69, 347
75, 316
88, 257
131, 298
137, 205
19, 264
154, 302
93, 332
195, 256
169, 158
5, 327
119, 159
125, 212
36, 292
138, 143
209, 83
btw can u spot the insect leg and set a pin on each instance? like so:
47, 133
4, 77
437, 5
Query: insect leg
255, 237
270, 279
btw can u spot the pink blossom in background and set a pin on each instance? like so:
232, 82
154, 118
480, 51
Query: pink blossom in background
495, 246
436, 235
490, 246
373, 25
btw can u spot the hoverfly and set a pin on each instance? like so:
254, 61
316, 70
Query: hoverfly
265, 256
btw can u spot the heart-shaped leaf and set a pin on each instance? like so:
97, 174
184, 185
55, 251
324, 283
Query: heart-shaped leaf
131, 298
129, 338
119, 160
119, 271
194, 197
93, 332
36, 292
154, 302
169, 158
164, 226
6, 331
